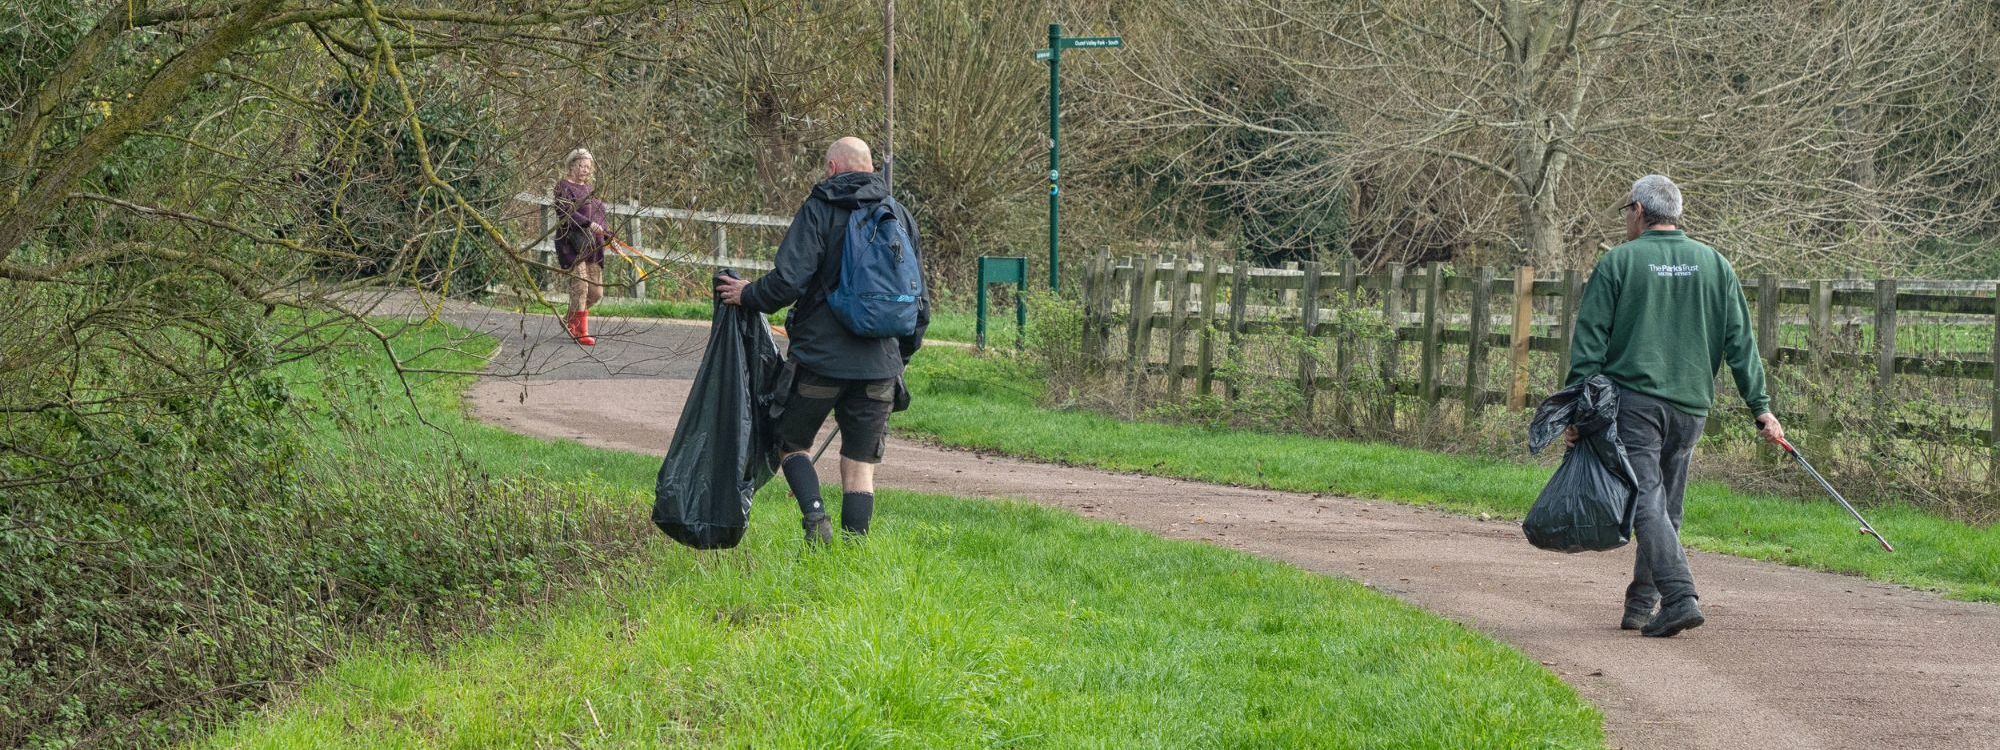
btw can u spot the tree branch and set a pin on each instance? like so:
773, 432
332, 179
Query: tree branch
160, 94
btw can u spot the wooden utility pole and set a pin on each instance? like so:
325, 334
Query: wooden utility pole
889, 93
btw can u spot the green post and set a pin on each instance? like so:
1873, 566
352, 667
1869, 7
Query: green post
979, 325
1002, 270
1055, 150
1054, 57
1021, 312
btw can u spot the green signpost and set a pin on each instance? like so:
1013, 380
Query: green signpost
1053, 54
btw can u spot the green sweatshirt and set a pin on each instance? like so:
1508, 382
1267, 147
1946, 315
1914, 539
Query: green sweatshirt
1660, 315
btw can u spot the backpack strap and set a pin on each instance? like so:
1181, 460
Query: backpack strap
833, 246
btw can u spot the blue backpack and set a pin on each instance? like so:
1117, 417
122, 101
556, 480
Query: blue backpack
880, 283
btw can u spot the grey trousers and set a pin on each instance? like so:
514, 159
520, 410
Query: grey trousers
1659, 440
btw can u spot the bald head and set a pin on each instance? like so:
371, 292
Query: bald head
848, 154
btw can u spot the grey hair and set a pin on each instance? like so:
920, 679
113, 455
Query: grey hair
577, 156
1659, 198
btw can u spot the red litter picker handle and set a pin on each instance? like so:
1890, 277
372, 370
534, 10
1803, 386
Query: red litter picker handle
1865, 527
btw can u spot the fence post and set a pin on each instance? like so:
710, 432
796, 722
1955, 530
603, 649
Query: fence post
1141, 299
1849, 327
1239, 305
1141, 329
1820, 321
1769, 294
546, 249
1427, 377
1524, 331
638, 268
1308, 325
1820, 345
1092, 280
1132, 314
1392, 310
1572, 296
1205, 359
1177, 296
1993, 438
1343, 361
1107, 305
1104, 297
1885, 363
718, 243
1479, 326
1151, 295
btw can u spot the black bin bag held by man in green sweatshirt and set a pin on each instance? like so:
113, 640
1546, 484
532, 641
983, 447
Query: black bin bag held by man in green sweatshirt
1587, 505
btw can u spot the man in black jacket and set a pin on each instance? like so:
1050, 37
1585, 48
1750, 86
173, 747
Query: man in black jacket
853, 377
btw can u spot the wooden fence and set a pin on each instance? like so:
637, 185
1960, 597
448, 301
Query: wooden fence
1494, 326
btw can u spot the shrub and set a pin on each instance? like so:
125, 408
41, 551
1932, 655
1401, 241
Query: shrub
215, 551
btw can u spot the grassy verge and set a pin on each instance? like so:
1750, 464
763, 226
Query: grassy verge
946, 325
429, 420
991, 404
958, 624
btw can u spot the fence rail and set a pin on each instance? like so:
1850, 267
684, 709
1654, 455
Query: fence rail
1476, 334
633, 233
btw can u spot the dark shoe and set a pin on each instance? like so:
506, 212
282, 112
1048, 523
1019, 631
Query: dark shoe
819, 528
1674, 618
1634, 620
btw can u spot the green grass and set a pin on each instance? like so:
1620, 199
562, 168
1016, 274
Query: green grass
991, 404
430, 419
960, 623
670, 309
946, 325
1911, 338
677, 309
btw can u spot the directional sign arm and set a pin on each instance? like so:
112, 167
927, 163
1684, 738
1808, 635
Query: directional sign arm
1075, 42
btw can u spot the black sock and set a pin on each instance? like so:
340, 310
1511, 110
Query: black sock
799, 473
856, 508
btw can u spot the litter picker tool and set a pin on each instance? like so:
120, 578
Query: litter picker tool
1865, 527
631, 253
829, 441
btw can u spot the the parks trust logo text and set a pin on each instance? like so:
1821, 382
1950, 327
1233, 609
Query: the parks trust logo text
1685, 269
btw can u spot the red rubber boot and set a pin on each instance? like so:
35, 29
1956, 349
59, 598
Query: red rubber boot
583, 329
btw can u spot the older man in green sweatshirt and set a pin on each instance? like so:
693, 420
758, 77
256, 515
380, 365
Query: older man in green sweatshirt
1660, 316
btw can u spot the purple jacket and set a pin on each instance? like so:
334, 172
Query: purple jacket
577, 210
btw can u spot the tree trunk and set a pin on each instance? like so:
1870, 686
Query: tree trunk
1541, 231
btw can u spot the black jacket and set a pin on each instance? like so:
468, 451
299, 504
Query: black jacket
808, 267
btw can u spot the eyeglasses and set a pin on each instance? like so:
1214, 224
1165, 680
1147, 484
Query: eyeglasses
1626, 207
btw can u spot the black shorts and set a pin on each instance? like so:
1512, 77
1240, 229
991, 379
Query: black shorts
860, 407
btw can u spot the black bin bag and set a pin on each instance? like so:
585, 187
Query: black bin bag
722, 448
1588, 504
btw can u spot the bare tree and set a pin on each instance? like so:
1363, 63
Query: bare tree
1763, 110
